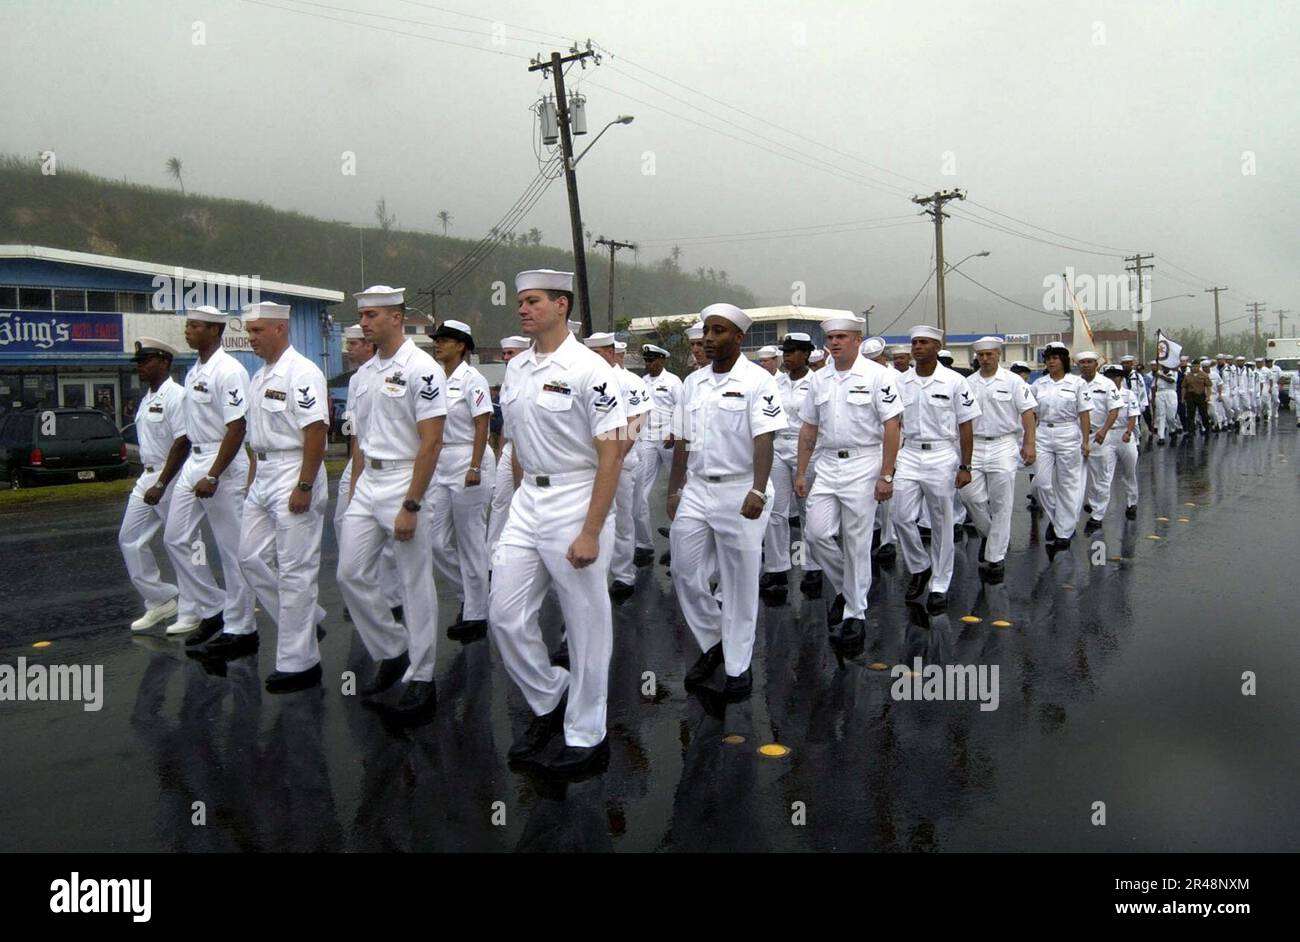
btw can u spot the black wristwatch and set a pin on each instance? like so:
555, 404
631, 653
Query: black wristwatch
411, 505
304, 486
963, 467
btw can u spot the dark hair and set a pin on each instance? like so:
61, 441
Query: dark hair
1063, 354
556, 295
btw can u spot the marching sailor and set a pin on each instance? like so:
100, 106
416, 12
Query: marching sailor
655, 446
1122, 442
793, 384
1165, 385
1062, 439
767, 357
562, 411
401, 410
695, 335
1104, 404
1133, 380
159, 424
503, 487
728, 417
883, 540
817, 359
284, 513
462, 484
855, 410
212, 485
938, 411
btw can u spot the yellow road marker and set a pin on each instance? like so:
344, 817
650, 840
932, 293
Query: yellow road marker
1153, 536
773, 750
733, 740
971, 619
1002, 623
42, 644
878, 666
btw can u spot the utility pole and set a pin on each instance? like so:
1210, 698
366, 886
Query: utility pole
434, 294
555, 65
1218, 340
1254, 313
1138, 267
614, 246
935, 202
866, 321
1281, 319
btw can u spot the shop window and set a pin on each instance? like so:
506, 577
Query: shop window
69, 299
760, 335
101, 301
132, 302
35, 299
8, 297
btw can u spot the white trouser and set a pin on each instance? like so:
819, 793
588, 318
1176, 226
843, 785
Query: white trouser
1101, 471
1059, 475
927, 477
885, 524
367, 528
280, 555
708, 530
1124, 471
392, 586
842, 503
140, 524
776, 540
651, 457
503, 489
991, 490
461, 512
1166, 412
621, 567
531, 557
189, 554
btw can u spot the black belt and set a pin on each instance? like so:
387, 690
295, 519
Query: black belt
993, 438
149, 469
380, 463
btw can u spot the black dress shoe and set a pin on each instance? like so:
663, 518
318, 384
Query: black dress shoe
1092, 525
208, 629
794, 522
925, 533
836, 614
1050, 533
539, 732
419, 701
998, 568
956, 530
738, 688
1131, 513
811, 584
887, 553
560, 656
663, 531
704, 667
1087, 508
1061, 542
852, 634
227, 645
984, 542
937, 602
398, 613
289, 681
643, 556
917, 586
389, 672
470, 630
666, 558
621, 590
579, 760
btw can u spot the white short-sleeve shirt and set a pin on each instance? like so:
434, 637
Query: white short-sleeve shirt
665, 393
636, 398
794, 392
935, 406
216, 394
392, 396
1103, 395
468, 397
722, 413
1003, 398
159, 421
850, 409
1061, 401
285, 397
553, 409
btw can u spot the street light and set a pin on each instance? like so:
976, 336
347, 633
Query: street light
621, 119
983, 254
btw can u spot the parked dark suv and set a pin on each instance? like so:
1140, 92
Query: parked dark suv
56, 446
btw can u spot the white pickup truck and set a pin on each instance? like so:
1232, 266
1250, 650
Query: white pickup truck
1285, 354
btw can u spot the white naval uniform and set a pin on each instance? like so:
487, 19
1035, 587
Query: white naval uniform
636, 401
1103, 395
458, 510
720, 416
785, 457
503, 491
665, 393
1275, 373
1166, 405
278, 550
216, 393
1003, 400
392, 397
1059, 473
1136, 382
387, 565
850, 409
934, 408
1220, 403
159, 421
1121, 468
553, 407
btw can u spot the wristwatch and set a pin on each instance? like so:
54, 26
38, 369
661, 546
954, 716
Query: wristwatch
887, 478
304, 486
759, 494
211, 480
412, 506
963, 467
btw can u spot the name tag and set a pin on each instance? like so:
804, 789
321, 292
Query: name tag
276, 394
557, 388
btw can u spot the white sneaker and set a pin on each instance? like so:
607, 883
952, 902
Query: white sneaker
182, 626
153, 616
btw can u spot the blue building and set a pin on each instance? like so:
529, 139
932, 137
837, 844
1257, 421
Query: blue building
69, 322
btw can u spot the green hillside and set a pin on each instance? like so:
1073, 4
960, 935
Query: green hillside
85, 213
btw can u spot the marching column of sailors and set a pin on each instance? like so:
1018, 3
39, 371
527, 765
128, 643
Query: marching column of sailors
867, 446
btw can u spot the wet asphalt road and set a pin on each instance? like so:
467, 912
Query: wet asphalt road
1119, 683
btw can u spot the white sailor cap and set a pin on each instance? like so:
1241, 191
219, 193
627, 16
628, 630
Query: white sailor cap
816, 356
1127, 358
925, 330
600, 340
854, 325
207, 314
1257, 360
353, 332
987, 343
1021, 365
1207, 362
1055, 347
1222, 356
1087, 355
380, 296
455, 330
515, 343
1152, 363
1113, 369
695, 331
153, 347
620, 346
575, 327
767, 353
872, 347
900, 349
265, 310
728, 312
651, 350
1242, 359
545, 279
946, 354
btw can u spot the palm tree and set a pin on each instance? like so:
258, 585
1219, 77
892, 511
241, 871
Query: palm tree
535, 235
174, 169
444, 217
722, 277
676, 256
699, 273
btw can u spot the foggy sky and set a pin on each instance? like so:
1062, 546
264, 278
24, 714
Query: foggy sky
1115, 123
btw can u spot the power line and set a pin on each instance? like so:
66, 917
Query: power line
761, 235
958, 271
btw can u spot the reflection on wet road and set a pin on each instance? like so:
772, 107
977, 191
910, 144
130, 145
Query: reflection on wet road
1120, 666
